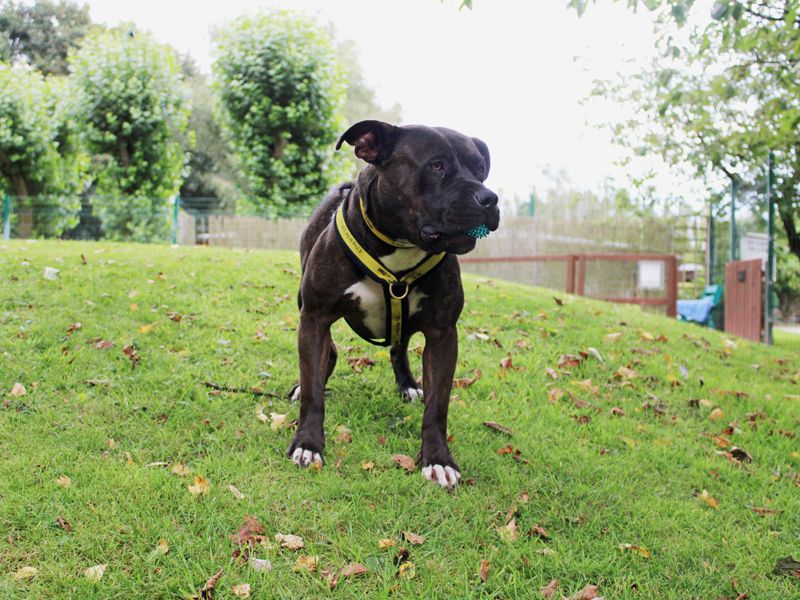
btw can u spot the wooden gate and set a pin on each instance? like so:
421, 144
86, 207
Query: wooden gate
743, 299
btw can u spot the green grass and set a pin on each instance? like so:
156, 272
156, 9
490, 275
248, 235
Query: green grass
594, 480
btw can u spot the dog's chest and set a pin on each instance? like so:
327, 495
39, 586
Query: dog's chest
368, 293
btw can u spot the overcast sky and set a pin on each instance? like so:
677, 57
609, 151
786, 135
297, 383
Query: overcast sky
512, 72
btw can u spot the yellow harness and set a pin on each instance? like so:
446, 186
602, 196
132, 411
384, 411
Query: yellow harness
396, 287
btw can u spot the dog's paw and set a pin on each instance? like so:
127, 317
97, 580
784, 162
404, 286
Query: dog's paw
294, 393
446, 477
305, 458
410, 394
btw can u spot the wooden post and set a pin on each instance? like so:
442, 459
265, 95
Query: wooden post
672, 286
581, 291
571, 274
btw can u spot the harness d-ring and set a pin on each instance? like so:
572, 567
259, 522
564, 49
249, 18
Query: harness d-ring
403, 294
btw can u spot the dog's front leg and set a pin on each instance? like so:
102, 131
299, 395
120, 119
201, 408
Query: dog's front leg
313, 343
438, 367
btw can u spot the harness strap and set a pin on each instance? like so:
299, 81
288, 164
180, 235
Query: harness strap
395, 288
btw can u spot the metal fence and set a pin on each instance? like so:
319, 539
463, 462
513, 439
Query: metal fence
209, 221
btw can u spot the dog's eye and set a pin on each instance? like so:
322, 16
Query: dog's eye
437, 165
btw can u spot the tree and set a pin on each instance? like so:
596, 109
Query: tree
40, 163
724, 97
133, 110
280, 91
43, 33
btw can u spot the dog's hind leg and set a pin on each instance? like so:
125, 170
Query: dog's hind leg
406, 384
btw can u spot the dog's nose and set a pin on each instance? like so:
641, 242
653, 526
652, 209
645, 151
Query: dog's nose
486, 198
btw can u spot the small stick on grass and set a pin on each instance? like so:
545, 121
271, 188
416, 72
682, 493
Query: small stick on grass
224, 388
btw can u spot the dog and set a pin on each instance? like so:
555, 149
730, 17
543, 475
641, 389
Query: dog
380, 252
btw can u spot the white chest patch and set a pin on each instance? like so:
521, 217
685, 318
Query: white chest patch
402, 259
369, 294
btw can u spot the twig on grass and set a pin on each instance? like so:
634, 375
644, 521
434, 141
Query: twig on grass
237, 390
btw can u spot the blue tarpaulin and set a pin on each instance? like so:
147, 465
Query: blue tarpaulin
696, 310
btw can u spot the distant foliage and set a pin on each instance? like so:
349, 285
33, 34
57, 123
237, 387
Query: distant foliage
38, 153
281, 92
42, 33
132, 107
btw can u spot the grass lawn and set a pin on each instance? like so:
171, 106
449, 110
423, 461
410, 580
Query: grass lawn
620, 474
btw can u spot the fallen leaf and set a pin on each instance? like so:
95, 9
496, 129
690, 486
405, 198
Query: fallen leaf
207, 591
617, 411
510, 531
465, 382
567, 361
180, 470
250, 533
146, 328
590, 592
613, 337
550, 589
50, 273
25, 573
498, 427
241, 590
292, 542
201, 486
306, 563
343, 435
413, 538
765, 511
638, 549
64, 524
236, 493
18, 390
407, 570
95, 573
63, 481
625, 373
367, 465
163, 546
386, 543
538, 531
103, 345
594, 352
73, 328
405, 462
130, 352
354, 570
261, 565
358, 363
555, 394
484, 570
277, 421
551, 373
716, 414
709, 500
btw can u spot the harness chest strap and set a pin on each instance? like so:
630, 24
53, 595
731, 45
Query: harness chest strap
395, 289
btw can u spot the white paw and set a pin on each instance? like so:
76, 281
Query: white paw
447, 477
295, 395
304, 458
411, 394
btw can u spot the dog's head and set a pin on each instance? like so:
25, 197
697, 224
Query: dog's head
429, 179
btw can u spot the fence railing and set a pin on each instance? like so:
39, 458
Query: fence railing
575, 276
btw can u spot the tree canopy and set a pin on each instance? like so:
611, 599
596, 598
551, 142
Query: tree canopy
281, 91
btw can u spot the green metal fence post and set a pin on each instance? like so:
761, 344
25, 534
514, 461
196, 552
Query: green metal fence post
711, 251
732, 251
175, 214
7, 218
769, 275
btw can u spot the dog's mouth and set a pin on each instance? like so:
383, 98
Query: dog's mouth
457, 242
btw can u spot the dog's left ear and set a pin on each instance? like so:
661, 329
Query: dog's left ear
484, 150
373, 140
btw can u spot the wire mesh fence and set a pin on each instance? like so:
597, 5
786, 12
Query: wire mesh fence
213, 222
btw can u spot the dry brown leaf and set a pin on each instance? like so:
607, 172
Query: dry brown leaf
709, 500
548, 590
132, 355
18, 390
292, 542
63, 481
241, 590
250, 533
200, 486
103, 345
64, 524
637, 549
407, 570
554, 395
385, 543
95, 573
236, 493
358, 363
277, 421
613, 337
207, 591
538, 531
306, 563
343, 435
567, 361
413, 538
163, 546
510, 531
25, 573
367, 465
261, 565
551, 373
617, 411
716, 414
180, 470
498, 427
354, 570
590, 592
405, 462
484, 570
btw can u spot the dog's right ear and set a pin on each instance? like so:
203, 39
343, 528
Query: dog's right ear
373, 140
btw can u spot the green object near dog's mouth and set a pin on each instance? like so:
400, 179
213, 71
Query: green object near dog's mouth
478, 232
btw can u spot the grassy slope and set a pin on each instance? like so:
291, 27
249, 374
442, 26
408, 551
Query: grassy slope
593, 485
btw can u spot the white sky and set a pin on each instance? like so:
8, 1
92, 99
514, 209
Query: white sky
512, 72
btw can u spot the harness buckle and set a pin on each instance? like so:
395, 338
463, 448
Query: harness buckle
400, 295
